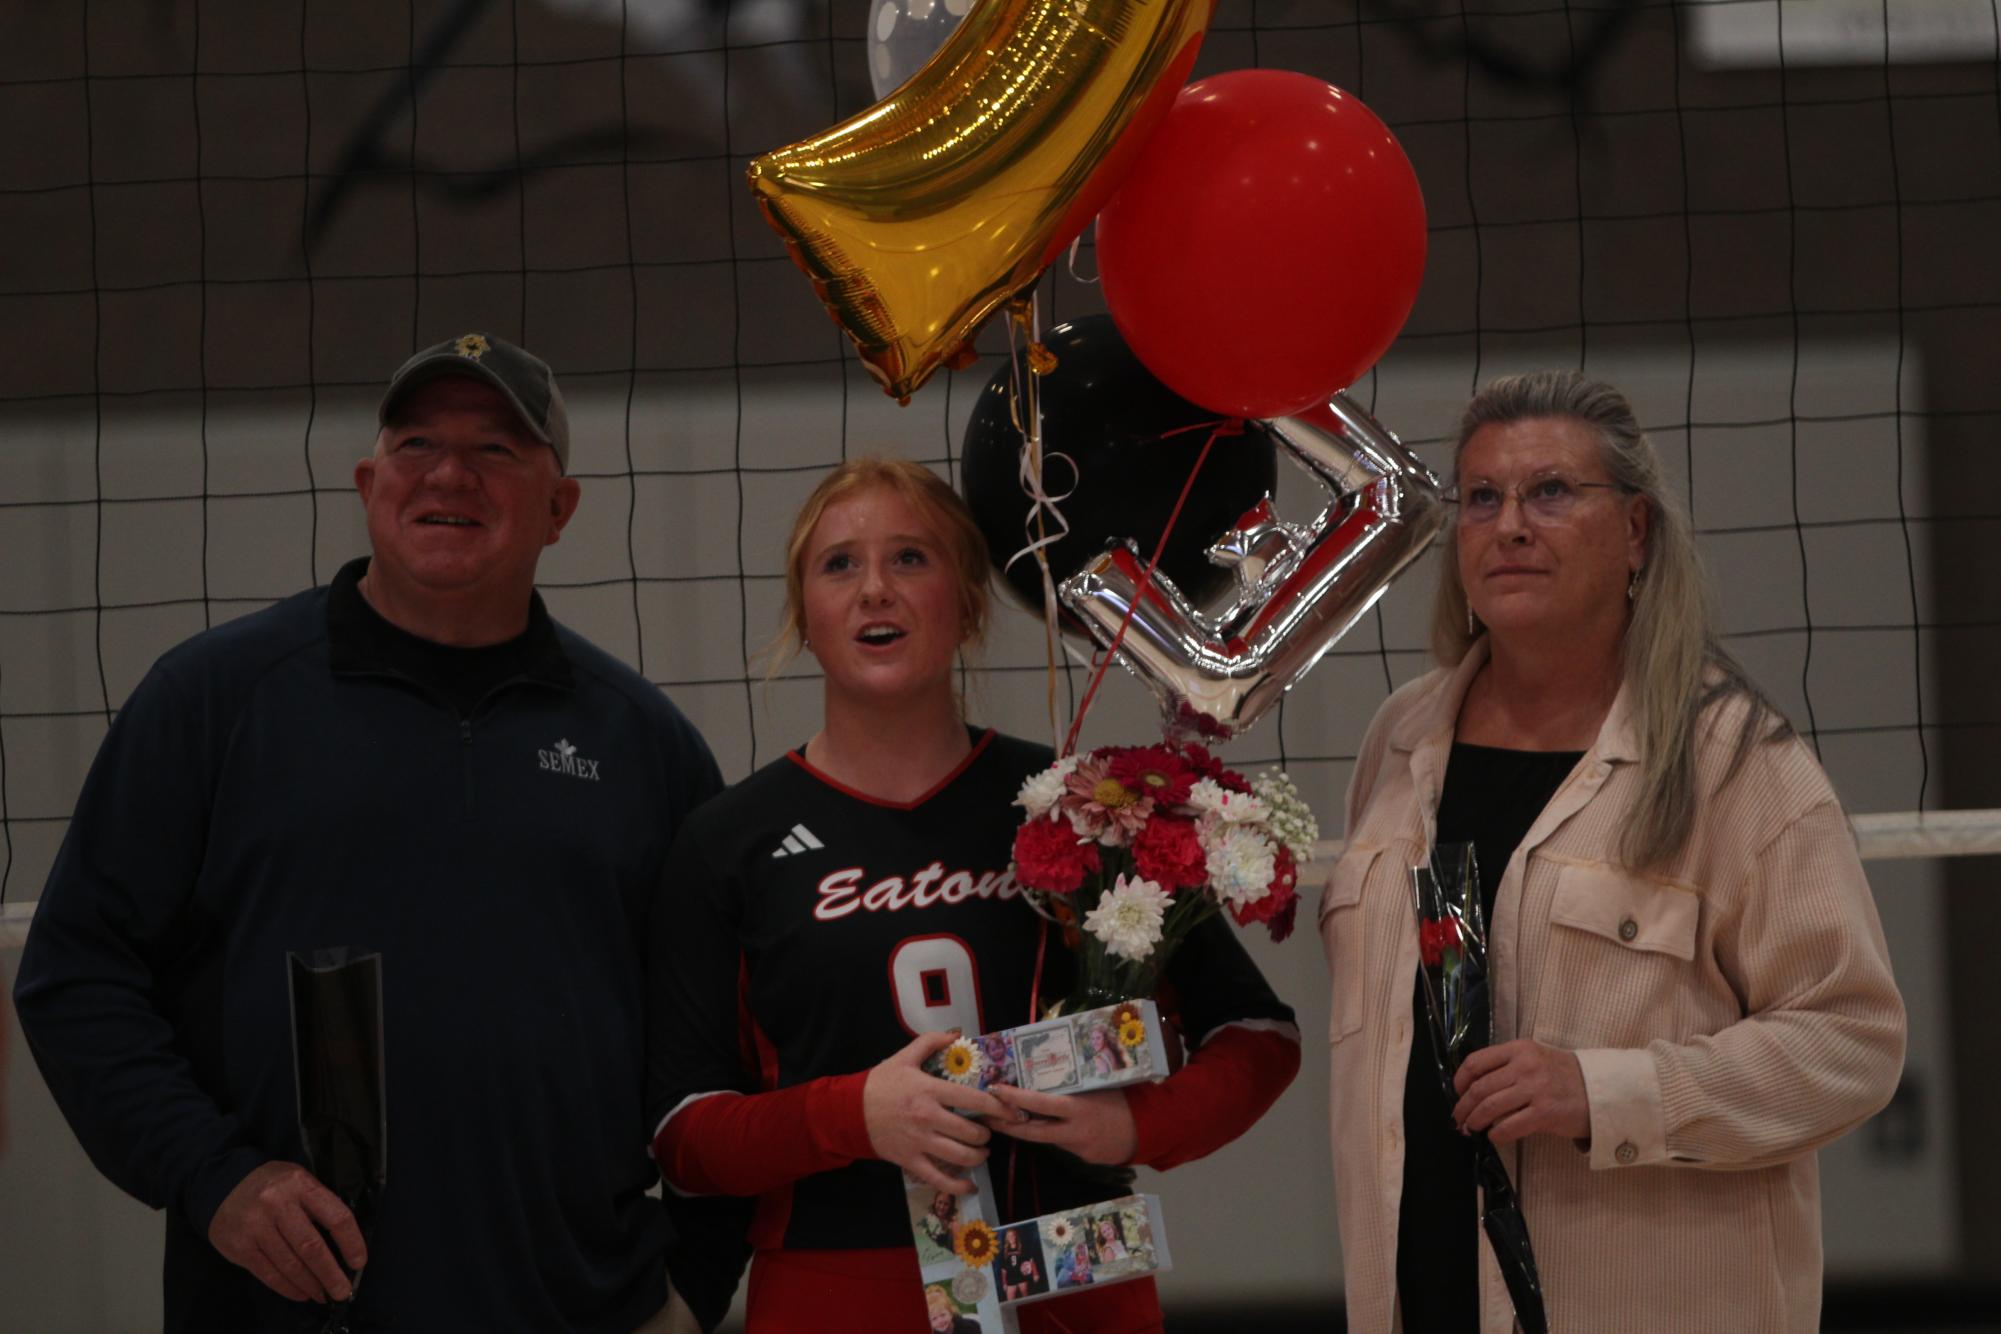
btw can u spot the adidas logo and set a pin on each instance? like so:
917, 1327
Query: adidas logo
799, 840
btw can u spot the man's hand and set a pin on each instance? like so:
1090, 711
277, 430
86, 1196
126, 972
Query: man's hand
911, 1121
1098, 1127
271, 1225
1522, 1088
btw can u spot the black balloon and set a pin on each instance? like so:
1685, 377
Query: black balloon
1116, 423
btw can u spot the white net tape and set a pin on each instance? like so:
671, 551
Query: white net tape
1884, 837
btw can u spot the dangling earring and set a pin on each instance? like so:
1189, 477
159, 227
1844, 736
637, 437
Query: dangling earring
1470, 631
1633, 586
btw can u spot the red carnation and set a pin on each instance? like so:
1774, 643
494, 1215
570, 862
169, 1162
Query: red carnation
1281, 923
1154, 771
1169, 853
1285, 870
1434, 938
1197, 757
1048, 856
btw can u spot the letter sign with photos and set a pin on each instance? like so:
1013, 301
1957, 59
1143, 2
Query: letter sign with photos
978, 1267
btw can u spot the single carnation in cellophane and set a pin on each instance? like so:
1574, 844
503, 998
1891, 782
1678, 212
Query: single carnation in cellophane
1132, 847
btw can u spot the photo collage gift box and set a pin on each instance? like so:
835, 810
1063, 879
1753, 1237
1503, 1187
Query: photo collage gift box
1076, 1053
976, 1266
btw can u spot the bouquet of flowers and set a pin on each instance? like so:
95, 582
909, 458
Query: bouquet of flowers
1452, 964
1133, 847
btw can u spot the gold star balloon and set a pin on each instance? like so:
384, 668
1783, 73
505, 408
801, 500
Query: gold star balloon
921, 216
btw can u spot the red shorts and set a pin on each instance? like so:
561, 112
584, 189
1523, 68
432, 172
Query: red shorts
880, 1292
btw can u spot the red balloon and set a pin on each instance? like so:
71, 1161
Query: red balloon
1267, 247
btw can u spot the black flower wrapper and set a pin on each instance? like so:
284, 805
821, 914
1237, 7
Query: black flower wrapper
1452, 953
1452, 965
338, 1065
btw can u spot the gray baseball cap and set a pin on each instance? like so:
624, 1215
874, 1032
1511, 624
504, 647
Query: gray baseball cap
524, 378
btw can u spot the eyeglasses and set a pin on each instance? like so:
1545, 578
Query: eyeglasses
1545, 497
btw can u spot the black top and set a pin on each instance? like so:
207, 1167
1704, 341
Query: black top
1491, 798
814, 930
277, 784
460, 677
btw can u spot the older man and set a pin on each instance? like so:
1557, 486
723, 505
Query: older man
417, 762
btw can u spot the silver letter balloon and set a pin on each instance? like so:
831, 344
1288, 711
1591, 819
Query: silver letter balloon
1298, 589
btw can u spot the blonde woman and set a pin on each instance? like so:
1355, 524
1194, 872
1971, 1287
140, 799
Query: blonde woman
1689, 986
827, 923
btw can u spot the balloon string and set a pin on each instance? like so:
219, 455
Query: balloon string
1217, 429
1042, 503
1075, 246
1029, 474
1220, 425
1034, 1013
1035, 981
1025, 404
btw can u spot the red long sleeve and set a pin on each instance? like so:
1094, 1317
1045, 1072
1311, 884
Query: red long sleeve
750, 1143
1229, 1082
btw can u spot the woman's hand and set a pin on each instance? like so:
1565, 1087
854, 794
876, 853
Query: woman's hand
1097, 1127
1519, 1089
911, 1122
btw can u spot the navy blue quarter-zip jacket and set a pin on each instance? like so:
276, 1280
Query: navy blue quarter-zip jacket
279, 784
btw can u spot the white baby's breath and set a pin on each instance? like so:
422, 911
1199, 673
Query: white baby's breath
1290, 819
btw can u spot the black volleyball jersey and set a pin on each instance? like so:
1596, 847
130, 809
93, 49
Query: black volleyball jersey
804, 930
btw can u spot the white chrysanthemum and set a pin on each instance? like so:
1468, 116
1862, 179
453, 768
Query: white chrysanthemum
1212, 798
1291, 819
1241, 864
1040, 791
1128, 917
1206, 795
